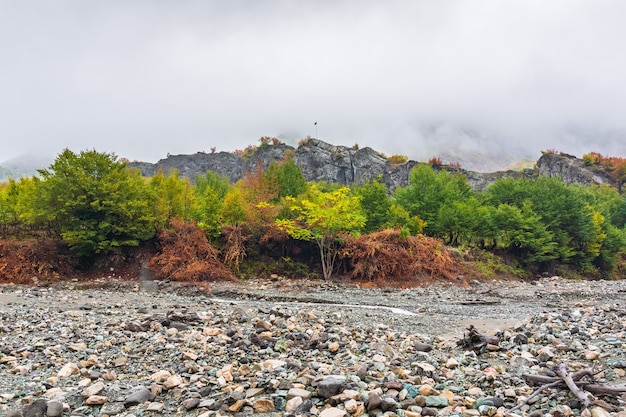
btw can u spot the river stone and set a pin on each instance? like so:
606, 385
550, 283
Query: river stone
211, 404
263, 405
173, 381
427, 411
55, 408
93, 389
293, 404
351, 406
304, 407
388, 403
36, 409
253, 392
96, 400
140, 396
14, 413
434, 401
160, 376
112, 409
191, 403
155, 407
427, 390
329, 387
332, 412
68, 369
373, 401
120, 361
422, 347
299, 392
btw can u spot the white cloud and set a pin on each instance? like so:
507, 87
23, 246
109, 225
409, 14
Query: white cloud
145, 78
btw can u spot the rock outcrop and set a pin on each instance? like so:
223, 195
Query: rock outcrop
188, 166
570, 169
321, 161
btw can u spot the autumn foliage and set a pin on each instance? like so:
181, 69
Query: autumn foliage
187, 255
21, 260
387, 256
616, 166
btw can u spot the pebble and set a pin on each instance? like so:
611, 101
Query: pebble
212, 358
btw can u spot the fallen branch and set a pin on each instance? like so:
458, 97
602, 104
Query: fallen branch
534, 394
585, 399
582, 389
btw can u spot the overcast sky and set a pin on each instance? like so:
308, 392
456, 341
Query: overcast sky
146, 78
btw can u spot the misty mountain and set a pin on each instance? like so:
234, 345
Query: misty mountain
23, 166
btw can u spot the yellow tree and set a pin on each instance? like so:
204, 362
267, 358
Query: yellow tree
323, 217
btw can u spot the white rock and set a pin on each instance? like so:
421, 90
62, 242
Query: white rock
173, 381
93, 389
333, 412
160, 376
292, 404
68, 369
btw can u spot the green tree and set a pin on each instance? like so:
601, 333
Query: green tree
97, 203
522, 232
565, 212
322, 217
287, 178
428, 191
375, 203
172, 196
210, 191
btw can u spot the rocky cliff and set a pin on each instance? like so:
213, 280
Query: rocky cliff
321, 161
570, 169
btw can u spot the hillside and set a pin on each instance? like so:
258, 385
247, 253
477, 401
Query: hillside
321, 161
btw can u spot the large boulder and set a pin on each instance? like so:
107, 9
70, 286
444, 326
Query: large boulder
569, 168
321, 161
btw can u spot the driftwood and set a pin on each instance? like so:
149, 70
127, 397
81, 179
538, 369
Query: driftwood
580, 383
585, 399
477, 341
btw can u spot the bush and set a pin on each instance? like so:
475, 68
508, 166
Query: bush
387, 256
187, 255
398, 159
23, 261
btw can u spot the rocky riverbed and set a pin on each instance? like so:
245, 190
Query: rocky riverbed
289, 347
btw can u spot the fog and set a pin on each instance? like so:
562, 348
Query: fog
143, 79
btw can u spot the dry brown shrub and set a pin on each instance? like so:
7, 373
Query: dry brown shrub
234, 249
386, 257
187, 255
23, 261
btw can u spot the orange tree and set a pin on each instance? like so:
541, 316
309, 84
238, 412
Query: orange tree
323, 217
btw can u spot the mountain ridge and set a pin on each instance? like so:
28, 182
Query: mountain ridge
322, 161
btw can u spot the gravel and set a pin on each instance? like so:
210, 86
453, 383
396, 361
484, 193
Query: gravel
290, 347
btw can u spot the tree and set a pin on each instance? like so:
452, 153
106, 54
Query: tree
322, 217
210, 191
375, 203
564, 211
97, 203
287, 178
428, 191
172, 196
